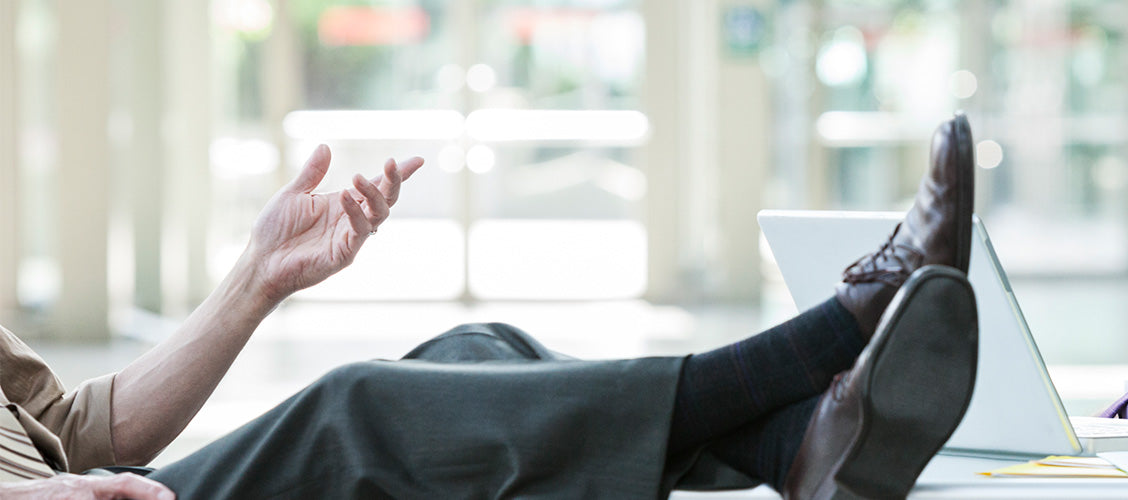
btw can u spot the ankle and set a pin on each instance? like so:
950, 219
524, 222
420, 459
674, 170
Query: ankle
865, 303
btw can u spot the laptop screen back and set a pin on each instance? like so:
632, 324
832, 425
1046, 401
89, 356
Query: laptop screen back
1015, 409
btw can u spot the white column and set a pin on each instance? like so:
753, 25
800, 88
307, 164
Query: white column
144, 158
819, 188
187, 135
463, 16
82, 108
282, 68
708, 157
699, 230
665, 153
744, 143
9, 120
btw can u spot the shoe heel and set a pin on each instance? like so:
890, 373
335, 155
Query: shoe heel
965, 201
930, 353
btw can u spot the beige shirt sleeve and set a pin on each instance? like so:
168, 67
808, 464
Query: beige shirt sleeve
79, 419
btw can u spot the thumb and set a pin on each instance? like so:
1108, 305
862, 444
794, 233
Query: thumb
312, 172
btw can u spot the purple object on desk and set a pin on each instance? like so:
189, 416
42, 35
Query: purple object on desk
1119, 409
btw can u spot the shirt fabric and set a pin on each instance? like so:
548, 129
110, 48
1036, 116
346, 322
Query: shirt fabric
71, 429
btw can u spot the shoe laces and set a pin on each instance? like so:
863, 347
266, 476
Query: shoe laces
890, 264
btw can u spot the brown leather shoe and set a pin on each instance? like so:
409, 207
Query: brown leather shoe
936, 230
880, 422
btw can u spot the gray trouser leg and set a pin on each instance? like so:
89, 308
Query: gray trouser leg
313, 445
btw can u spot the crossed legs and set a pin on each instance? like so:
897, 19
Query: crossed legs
726, 389
345, 435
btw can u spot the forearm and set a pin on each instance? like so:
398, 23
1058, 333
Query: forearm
156, 396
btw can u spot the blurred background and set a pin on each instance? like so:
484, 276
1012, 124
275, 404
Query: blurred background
594, 167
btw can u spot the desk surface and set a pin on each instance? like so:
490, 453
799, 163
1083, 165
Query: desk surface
951, 477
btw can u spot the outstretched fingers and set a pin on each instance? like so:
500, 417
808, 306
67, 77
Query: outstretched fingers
312, 172
369, 202
355, 213
394, 175
410, 166
378, 206
390, 183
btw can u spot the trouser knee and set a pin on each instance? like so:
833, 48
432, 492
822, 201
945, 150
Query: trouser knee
347, 376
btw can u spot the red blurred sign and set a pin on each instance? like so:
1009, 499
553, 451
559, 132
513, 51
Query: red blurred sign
342, 26
524, 22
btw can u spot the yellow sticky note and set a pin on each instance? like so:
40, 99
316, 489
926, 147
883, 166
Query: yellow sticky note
1061, 466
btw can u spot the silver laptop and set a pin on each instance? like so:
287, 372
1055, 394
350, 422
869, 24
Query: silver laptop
1015, 409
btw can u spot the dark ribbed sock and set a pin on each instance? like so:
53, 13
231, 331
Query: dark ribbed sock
721, 390
764, 449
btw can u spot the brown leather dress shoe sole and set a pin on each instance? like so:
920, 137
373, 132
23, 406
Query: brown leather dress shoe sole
877, 428
964, 155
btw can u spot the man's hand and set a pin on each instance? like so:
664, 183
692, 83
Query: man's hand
302, 238
72, 487
299, 239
